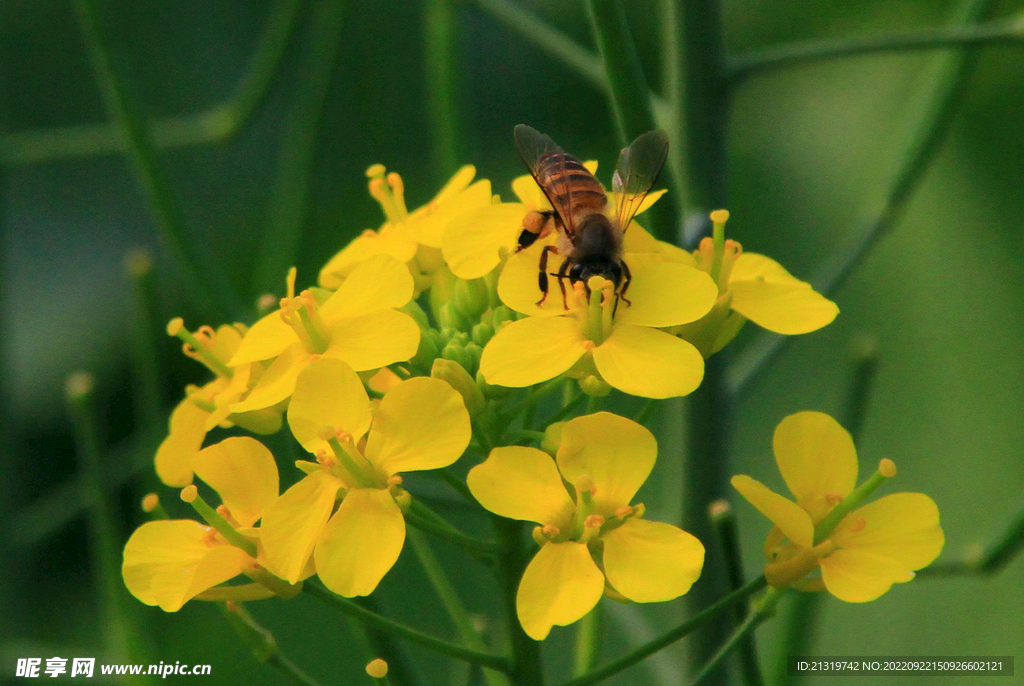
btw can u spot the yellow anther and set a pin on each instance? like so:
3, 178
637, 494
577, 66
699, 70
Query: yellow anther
375, 171
623, 512
189, 493
833, 499
594, 521
720, 216
395, 181
174, 326
394, 480
550, 531
150, 502
378, 669
859, 524
887, 468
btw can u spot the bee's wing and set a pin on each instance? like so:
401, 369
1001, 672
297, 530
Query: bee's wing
636, 172
533, 147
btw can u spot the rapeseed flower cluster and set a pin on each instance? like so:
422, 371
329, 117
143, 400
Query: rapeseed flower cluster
409, 353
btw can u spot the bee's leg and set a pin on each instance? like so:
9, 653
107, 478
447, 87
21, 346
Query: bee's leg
563, 274
534, 224
542, 276
627, 277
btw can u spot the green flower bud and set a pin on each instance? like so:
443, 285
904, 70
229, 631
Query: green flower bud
459, 379
490, 391
552, 438
482, 333
594, 386
413, 309
470, 298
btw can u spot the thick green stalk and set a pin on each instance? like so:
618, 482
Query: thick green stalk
630, 97
1002, 32
143, 341
263, 644
104, 548
686, 628
940, 104
746, 629
526, 661
451, 601
205, 280
290, 194
588, 642
407, 632
218, 124
724, 522
441, 36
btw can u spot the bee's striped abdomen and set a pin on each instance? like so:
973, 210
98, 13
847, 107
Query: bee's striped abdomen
569, 185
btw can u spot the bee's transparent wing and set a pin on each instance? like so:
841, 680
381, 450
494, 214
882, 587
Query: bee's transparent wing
533, 147
636, 172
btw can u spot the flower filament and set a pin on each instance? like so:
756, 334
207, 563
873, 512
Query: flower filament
388, 190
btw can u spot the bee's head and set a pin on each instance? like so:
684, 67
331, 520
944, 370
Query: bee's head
611, 270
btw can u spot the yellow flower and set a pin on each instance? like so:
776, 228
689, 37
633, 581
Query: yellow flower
357, 324
590, 536
861, 551
210, 405
169, 562
420, 424
403, 232
754, 287
623, 344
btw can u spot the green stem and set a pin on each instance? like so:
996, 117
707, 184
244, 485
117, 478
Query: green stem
994, 556
416, 636
218, 124
588, 642
569, 407
442, 71
451, 601
104, 550
630, 97
263, 644
723, 521
207, 281
746, 629
526, 660
378, 642
422, 517
290, 194
1003, 32
143, 341
949, 86
695, 622
593, 404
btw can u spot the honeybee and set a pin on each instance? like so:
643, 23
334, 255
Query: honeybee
589, 235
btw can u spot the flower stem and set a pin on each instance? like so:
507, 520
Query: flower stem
290, 194
588, 642
746, 629
630, 96
442, 70
695, 622
208, 282
142, 339
950, 85
723, 520
422, 517
451, 601
407, 632
526, 661
1002, 32
263, 644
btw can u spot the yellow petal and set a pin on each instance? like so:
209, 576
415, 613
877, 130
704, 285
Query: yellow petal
374, 340
750, 266
328, 394
473, 239
639, 239
532, 350
420, 424
650, 562
391, 240
859, 576
277, 382
901, 526
360, 543
226, 342
816, 457
379, 283
665, 293
787, 515
518, 287
521, 483
267, 338
789, 308
616, 453
649, 363
459, 182
174, 456
293, 523
243, 473
168, 562
431, 220
559, 586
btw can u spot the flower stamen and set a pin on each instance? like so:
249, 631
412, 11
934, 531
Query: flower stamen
197, 347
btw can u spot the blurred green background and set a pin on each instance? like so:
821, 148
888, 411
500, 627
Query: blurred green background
812, 149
